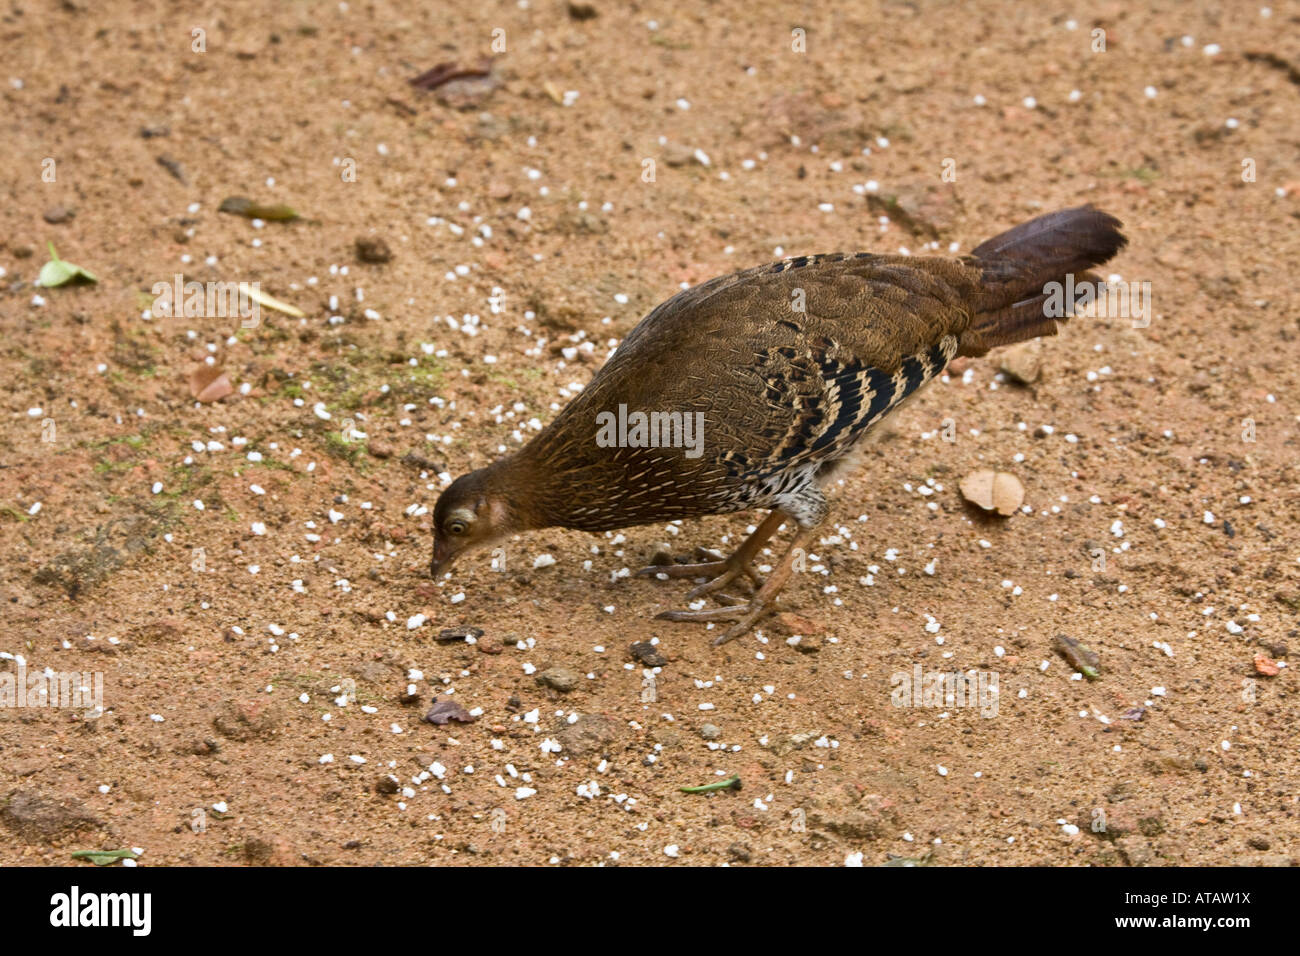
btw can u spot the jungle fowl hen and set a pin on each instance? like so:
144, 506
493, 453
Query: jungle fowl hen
753, 390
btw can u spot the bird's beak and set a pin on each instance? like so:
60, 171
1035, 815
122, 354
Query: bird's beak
443, 557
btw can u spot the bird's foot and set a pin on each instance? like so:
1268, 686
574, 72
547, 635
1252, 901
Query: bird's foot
745, 615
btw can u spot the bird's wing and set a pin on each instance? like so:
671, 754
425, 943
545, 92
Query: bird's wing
788, 364
792, 362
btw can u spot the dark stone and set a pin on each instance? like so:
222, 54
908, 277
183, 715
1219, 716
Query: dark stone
248, 719
559, 678
644, 652
373, 249
587, 735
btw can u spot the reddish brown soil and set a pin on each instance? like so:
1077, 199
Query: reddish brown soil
199, 713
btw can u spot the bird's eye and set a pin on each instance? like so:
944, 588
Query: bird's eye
456, 527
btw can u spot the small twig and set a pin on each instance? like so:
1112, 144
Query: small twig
446, 72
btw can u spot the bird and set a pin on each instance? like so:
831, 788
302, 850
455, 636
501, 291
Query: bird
755, 390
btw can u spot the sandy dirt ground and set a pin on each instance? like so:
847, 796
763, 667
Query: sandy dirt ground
248, 576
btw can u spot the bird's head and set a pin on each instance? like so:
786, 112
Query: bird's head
471, 513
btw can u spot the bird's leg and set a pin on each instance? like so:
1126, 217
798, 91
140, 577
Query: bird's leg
808, 508
745, 615
726, 570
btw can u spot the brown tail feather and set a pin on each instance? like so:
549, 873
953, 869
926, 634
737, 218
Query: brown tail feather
1019, 263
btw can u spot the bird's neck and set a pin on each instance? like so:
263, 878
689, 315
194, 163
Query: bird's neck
543, 487
521, 485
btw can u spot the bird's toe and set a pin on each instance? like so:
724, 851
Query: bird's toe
720, 582
741, 627
727, 613
706, 570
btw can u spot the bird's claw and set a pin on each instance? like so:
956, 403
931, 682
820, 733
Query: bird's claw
722, 572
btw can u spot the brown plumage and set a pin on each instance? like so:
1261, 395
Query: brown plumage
784, 368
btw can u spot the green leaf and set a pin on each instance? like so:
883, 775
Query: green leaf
59, 272
240, 206
731, 783
105, 857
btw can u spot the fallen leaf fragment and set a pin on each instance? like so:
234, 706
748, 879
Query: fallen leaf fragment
240, 206
270, 301
105, 857
998, 491
444, 711
58, 272
209, 384
1081, 658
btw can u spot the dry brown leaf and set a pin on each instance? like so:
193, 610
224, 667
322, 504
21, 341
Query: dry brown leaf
1083, 659
209, 384
445, 710
998, 491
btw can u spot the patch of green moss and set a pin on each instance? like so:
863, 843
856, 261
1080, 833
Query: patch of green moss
350, 451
